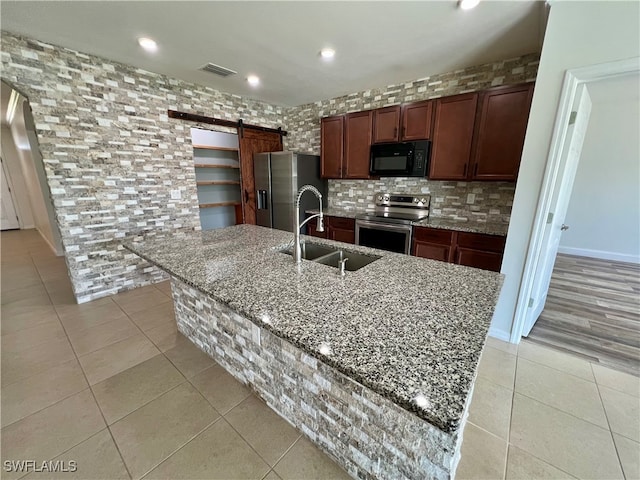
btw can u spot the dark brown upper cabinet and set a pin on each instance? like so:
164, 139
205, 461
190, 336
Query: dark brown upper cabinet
386, 124
344, 145
331, 146
501, 125
411, 121
475, 136
357, 144
417, 119
452, 136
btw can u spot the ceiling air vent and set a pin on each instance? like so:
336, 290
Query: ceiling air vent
218, 70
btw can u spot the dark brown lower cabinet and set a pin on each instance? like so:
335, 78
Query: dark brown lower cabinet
463, 248
432, 243
478, 259
311, 229
479, 250
335, 228
341, 229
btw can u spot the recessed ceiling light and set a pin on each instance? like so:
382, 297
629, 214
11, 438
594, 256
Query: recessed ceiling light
253, 80
468, 4
327, 53
148, 44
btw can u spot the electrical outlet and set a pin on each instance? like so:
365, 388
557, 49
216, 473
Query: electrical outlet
176, 195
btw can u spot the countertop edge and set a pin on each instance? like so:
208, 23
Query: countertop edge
446, 425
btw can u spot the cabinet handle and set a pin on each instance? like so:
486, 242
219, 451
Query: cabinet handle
402, 132
395, 132
246, 196
464, 172
475, 170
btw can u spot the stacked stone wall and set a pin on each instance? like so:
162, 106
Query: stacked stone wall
370, 436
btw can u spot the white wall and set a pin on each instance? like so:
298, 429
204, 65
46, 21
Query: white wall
24, 136
578, 34
604, 211
16, 178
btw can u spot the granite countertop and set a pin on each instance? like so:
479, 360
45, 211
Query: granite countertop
488, 228
445, 223
406, 327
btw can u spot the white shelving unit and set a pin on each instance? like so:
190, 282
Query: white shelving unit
216, 161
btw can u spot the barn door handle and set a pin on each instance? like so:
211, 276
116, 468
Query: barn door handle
246, 196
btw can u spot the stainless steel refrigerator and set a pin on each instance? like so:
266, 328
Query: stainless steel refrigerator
278, 177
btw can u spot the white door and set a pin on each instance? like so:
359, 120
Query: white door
558, 207
9, 219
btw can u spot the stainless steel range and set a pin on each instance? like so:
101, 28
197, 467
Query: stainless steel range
388, 227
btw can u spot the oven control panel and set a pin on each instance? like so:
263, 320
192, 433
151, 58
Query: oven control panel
407, 201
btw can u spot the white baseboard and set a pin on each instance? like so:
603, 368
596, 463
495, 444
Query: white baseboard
499, 334
57, 252
601, 254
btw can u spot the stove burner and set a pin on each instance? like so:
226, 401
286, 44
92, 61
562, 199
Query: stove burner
401, 209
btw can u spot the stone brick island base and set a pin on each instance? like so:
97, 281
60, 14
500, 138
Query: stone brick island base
369, 435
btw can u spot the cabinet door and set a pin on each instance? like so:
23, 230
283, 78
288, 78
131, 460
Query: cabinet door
479, 259
500, 132
431, 250
452, 135
357, 144
481, 241
331, 146
417, 121
386, 124
341, 229
311, 229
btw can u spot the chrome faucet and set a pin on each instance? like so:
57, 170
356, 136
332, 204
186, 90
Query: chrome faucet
297, 251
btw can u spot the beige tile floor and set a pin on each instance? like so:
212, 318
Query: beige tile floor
113, 386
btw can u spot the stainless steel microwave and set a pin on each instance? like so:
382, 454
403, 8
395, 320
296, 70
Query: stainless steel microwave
406, 159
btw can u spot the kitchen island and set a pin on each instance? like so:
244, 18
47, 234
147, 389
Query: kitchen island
376, 366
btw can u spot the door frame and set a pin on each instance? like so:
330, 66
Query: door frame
553, 179
7, 181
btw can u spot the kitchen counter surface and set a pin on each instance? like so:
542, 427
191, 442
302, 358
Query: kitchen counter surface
489, 228
408, 328
444, 223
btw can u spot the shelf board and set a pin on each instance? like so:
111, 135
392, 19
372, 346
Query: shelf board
211, 147
218, 182
206, 165
220, 204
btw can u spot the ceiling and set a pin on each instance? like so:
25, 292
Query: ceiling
377, 43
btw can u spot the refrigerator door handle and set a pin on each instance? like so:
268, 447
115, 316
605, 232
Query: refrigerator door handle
262, 199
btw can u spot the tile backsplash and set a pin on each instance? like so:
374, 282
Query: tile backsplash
477, 201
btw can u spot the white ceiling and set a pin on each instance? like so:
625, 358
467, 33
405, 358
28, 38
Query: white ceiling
377, 43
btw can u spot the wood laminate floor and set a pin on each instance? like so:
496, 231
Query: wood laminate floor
593, 310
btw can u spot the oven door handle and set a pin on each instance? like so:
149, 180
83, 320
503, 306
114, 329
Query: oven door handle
384, 226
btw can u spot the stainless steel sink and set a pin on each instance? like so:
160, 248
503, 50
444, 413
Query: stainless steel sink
311, 251
355, 261
333, 256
